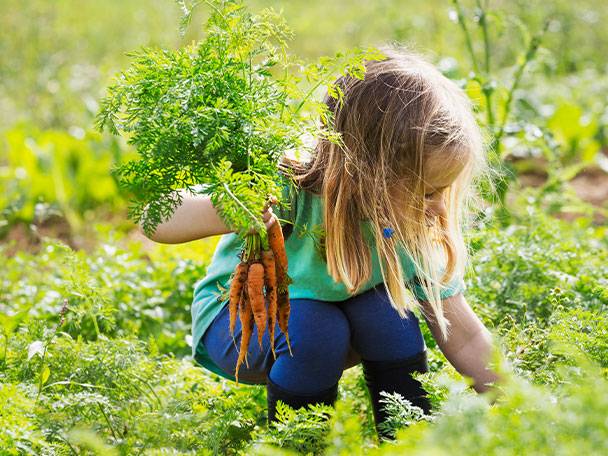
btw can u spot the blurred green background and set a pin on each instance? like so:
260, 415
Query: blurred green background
94, 336
58, 57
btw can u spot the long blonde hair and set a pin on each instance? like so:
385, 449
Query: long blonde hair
401, 113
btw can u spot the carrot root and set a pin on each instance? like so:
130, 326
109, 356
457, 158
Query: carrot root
255, 291
247, 329
270, 281
236, 292
276, 242
284, 311
255, 284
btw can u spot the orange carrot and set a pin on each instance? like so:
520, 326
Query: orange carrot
255, 291
236, 292
270, 281
284, 311
242, 304
277, 245
247, 329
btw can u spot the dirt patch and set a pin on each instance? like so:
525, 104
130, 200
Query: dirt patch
28, 237
592, 186
532, 179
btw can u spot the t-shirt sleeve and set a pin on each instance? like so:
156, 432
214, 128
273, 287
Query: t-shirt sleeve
452, 288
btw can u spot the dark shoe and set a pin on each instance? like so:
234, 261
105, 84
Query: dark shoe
395, 377
275, 393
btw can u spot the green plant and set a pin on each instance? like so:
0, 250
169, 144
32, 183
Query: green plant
524, 272
304, 431
525, 419
540, 286
497, 99
49, 172
220, 112
112, 291
401, 413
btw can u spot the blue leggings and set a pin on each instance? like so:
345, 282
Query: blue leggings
326, 338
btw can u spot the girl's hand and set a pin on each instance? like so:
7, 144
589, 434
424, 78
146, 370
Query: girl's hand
267, 216
469, 344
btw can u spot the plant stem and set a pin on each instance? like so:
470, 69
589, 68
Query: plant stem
530, 53
312, 90
254, 244
140, 390
42, 366
467, 35
283, 104
264, 240
487, 89
483, 22
248, 248
489, 110
238, 201
107, 421
307, 96
146, 383
69, 445
4, 349
97, 331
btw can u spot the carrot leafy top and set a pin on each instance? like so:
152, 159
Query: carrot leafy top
220, 112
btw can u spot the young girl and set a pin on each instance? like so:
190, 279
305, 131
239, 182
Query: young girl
374, 233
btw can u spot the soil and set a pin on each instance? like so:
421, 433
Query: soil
22, 236
590, 185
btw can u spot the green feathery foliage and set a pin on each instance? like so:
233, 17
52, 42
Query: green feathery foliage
220, 112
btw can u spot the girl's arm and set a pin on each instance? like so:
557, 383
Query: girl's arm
469, 344
195, 218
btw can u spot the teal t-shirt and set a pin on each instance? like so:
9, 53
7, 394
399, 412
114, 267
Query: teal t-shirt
307, 268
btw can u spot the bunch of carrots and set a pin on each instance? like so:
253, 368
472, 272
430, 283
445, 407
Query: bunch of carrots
263, 267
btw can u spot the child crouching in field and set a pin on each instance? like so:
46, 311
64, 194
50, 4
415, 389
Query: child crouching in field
388, 207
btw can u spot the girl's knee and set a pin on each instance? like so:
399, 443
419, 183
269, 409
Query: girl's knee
222, 350
224, 355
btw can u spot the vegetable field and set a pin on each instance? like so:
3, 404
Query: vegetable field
95, 323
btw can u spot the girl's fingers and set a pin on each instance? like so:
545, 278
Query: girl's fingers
270, 221
270, 202
268, 218
267, 214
